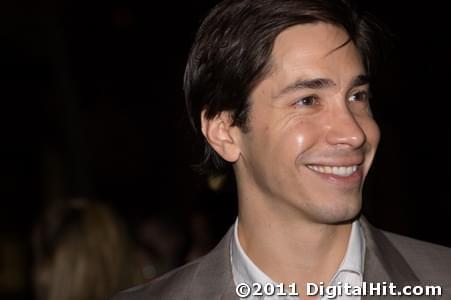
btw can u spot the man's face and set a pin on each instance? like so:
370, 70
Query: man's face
312, 137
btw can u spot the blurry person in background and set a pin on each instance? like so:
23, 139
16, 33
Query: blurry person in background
162, 241
82, 252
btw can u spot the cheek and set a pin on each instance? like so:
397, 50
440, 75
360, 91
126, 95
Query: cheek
297, 140
372, 133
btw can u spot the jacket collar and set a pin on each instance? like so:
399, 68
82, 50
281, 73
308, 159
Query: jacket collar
215, 272
383, 263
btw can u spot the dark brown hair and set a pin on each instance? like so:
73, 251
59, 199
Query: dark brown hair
231, 52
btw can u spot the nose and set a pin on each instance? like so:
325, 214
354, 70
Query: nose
344, 129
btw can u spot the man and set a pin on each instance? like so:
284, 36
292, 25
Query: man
280, 91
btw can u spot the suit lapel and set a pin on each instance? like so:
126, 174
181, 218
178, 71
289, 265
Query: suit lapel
384, 263
382, 260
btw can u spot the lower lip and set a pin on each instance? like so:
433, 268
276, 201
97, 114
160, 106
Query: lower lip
353, 179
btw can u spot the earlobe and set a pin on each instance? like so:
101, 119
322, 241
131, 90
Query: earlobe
221, 136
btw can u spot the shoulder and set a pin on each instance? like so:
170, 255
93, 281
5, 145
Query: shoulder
431, 262
167, 286
410, 246
208, 277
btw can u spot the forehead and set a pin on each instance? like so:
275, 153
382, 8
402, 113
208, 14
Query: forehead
317, 46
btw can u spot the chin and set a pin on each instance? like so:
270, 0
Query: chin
338, 213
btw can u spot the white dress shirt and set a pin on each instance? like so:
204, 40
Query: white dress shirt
350, 271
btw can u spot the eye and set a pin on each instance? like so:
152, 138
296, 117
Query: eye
361, 96
307, 101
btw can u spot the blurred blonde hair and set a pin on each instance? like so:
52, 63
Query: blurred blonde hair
82, 252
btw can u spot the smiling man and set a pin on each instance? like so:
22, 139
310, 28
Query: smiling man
280, 90
301, 164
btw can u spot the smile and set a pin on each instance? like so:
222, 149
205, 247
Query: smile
343, 171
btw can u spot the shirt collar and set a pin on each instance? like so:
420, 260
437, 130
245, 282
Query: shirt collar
355, 252
244, 269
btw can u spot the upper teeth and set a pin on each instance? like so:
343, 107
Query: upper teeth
336, 170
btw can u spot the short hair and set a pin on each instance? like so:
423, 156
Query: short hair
232, 49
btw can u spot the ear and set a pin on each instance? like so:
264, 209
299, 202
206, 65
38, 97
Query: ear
221, 135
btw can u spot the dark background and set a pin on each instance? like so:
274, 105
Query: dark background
92, 105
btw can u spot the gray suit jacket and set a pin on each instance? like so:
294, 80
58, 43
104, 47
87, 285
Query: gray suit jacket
388, 258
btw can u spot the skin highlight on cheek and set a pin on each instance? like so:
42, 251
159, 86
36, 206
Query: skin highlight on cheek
300, 140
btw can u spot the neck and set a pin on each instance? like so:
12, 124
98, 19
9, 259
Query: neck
292, 249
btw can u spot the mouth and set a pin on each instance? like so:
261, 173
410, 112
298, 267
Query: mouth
342, 175
340, 171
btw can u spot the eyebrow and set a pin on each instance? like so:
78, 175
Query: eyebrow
321, 83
